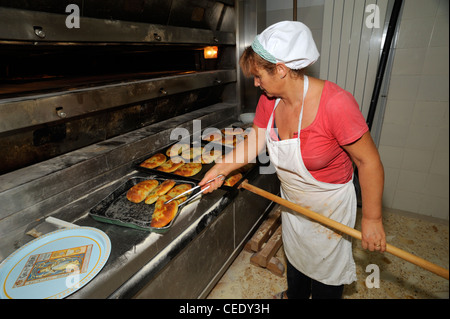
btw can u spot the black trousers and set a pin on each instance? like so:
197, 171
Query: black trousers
301, 286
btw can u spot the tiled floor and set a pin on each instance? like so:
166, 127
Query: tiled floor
422, 236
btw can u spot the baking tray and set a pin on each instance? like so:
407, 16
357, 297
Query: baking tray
118, 210
225, 148
195, 178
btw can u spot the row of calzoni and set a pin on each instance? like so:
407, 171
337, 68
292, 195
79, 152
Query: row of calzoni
152, 191
186, 160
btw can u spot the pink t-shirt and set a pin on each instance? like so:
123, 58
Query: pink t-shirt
338, 122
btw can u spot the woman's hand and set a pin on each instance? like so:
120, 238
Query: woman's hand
243, 154
373, 236
213, 173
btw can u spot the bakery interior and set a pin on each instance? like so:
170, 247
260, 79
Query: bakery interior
91, 89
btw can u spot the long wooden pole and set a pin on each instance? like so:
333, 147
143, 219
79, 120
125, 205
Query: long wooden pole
346, 230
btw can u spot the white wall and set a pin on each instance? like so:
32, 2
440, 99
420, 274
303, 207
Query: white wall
414, 143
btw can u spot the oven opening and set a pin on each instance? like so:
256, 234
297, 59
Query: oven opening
49, 68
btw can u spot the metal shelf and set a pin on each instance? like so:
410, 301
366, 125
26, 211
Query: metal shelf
26, 111
37, 27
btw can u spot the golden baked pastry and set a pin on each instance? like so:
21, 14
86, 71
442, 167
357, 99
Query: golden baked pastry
229, 140
192, 153
171, 165
189, 169
154, 161
233, 179
233, 140
215, 136
211, 156
176, 149
140, 191
163, 213
177, 190
163, 188
232, 131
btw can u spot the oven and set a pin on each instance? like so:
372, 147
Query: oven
88, 91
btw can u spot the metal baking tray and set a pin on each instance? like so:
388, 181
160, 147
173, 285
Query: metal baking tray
118, 210
195, 178
225, 146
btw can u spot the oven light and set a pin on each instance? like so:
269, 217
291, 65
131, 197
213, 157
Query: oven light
210, 52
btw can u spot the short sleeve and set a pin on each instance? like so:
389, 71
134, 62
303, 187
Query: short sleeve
346, 122
263, 111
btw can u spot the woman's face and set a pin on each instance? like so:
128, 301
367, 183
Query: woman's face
266, 81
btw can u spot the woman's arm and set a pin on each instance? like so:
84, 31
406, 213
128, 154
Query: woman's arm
371, 179
244, 153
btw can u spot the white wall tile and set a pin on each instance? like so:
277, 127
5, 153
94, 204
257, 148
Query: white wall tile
440, 32
414, 142
403, 87
433, 88
443, 9
388, 196
443, 139
391, 157
434, 206
422, 138
409, 61
417, 160
408, 201
436, 61
391, 176
430, 114
436, 185
399, 112
410, 181
439, 164
420, 8
394, 135
415, 33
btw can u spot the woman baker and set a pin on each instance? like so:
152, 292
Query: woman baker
313, 130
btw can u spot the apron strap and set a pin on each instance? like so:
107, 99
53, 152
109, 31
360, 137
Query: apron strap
305, 90
271, 123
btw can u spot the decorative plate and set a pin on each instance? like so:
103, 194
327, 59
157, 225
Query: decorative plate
54, 265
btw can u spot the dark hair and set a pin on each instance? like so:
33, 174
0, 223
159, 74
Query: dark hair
250, 60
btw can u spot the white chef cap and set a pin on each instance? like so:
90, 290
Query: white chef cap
288, 42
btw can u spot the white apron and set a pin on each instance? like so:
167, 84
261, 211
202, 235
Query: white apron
313, 249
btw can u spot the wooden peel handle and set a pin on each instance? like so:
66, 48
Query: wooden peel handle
346, 230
